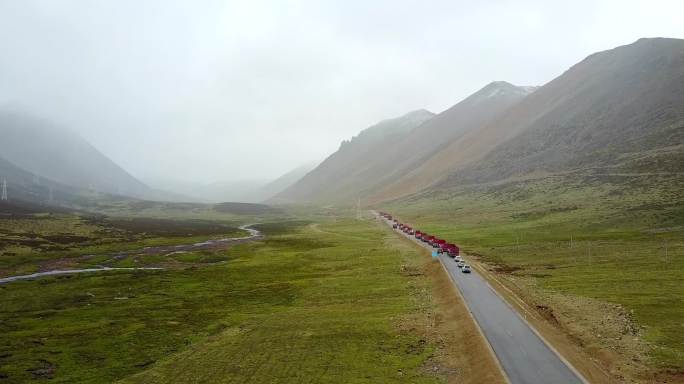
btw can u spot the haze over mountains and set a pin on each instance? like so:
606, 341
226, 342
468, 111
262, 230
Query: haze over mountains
47, 163
623, 106
246, 191
620, 110
47, 150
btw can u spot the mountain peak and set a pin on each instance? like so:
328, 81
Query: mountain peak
500, 89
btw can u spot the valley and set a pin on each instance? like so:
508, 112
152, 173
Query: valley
188, 193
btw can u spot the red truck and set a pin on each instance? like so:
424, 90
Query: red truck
448, 248
453, 250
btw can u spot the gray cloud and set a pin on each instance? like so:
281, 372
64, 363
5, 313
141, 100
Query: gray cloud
219, 90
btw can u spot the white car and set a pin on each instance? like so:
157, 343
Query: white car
466, 269
457, 259
461, 264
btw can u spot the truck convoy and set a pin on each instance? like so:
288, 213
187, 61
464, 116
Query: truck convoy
441, 245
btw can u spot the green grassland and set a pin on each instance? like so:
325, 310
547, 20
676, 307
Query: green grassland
617, 238
310, 303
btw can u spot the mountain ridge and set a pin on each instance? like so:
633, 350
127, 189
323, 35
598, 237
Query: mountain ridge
379, 164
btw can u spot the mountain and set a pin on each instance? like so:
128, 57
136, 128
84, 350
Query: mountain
352, 168
428, 154
283, 182
392, 166
617, 111
243, 191
47, 150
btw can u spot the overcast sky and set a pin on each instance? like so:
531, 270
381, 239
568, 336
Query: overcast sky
226, 90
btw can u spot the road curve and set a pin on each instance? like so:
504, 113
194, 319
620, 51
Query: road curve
523, 355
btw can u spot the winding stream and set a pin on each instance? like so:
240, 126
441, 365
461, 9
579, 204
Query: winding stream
209, 244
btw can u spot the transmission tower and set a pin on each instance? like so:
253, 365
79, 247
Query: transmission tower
4, 190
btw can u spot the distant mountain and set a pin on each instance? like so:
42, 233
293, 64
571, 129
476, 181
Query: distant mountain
47, 150
243, 191
617, 111
352, 168
283, 182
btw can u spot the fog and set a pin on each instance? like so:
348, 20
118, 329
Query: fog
204, 91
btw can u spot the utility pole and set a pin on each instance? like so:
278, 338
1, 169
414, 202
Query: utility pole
4, 190
358, 208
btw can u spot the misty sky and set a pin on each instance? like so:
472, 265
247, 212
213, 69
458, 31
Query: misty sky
221, 90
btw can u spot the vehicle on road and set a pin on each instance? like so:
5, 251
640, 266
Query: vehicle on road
461, 264
394, 226
466, 269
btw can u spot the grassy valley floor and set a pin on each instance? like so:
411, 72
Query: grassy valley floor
338, 301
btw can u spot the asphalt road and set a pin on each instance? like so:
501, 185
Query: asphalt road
524, 356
